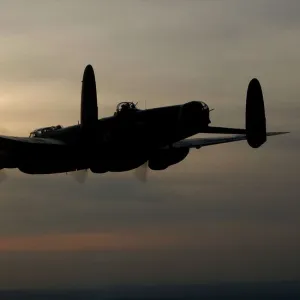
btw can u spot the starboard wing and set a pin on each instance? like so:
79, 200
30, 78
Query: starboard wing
8, 142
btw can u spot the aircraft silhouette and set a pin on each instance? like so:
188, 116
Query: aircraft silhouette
153, 138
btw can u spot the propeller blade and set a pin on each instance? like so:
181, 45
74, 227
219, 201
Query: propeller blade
141, 173
3, 175
5, 131
80, 176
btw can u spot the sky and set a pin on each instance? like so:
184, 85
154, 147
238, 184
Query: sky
226, 213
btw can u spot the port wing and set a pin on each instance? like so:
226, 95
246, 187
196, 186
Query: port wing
202, 142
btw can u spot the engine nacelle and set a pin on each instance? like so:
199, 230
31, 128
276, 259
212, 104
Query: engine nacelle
7, 161
119, 164
47, 167
162, 159
98, 168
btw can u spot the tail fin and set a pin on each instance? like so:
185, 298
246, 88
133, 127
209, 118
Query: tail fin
89, 108
255, 115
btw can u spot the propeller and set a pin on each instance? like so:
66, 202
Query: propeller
141, 173
80, 176
3, 175
4, 130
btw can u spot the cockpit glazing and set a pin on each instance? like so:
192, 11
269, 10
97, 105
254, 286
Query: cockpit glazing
41, 131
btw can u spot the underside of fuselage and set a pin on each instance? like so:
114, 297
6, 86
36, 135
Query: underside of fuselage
115, 161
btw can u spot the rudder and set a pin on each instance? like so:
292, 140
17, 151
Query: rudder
89, 106
255, 115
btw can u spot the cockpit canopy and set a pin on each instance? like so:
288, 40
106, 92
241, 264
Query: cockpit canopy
40, 131
124, 107
204, 106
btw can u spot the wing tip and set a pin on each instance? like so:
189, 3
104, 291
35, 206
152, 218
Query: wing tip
277, 133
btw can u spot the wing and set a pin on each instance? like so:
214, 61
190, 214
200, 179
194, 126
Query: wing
223, 130
201, 142
8, 142
228, 130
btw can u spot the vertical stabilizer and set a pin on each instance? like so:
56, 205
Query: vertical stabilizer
255, 115
89, 108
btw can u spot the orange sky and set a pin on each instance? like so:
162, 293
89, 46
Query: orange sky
86, 242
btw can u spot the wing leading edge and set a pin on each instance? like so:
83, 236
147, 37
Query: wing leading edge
201, 142
11, 141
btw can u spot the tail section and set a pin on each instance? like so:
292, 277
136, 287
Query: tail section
256, 127
255, 115
89, 107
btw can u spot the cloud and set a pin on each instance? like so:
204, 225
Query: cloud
225, 212
87, 242
214, 251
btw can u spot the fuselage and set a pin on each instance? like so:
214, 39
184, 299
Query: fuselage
117, 143
152, 128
